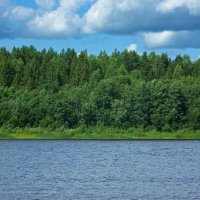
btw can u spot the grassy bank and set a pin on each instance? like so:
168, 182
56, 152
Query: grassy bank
94, 133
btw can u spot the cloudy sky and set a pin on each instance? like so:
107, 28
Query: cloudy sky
171, 26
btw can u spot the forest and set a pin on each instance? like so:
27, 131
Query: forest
66, 90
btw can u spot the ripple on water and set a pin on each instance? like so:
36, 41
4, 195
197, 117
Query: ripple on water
99, 170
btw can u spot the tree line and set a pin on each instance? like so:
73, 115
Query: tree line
122, 90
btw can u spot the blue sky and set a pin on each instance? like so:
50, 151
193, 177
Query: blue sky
142, 25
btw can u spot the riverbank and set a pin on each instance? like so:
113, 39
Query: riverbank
95, 134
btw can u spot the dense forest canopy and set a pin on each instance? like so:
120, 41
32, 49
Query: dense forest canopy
124, 90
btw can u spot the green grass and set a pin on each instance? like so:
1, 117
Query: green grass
95, 134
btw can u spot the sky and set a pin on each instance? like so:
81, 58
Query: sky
141, 25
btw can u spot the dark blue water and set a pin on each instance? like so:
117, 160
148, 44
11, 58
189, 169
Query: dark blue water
99, 170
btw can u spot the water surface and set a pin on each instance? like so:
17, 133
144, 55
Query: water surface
90, 170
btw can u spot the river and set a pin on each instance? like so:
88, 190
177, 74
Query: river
104, 170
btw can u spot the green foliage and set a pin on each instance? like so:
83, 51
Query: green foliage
125, 90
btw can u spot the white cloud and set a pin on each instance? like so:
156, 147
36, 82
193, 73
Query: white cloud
158, 39
130, 16
132, 47
46, 4
172, 39
171, 5
156, 22
71, 4
21, 13
160, 23
61, 22
110, 16
58, 23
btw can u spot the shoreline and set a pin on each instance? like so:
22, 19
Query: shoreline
94, 134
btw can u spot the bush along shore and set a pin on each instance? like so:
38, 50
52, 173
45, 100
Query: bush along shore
123, 95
